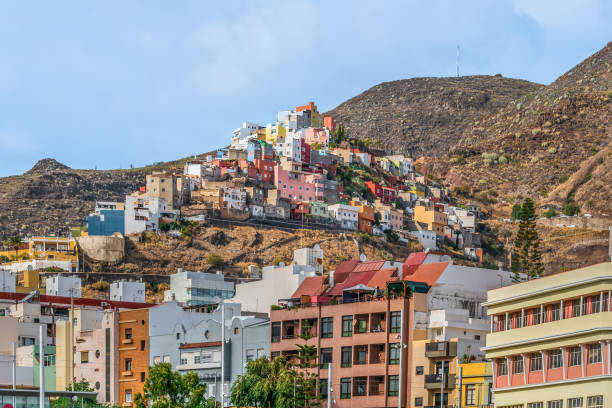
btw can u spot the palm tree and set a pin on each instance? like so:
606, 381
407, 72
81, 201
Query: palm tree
13, 242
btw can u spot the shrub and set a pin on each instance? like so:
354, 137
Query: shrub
550, 212
563, 179
552, 150
463, 190
100, 286
458, 160
571, 208
490, 158
503, 159
600, 160
587, 177
536, 131
215, 259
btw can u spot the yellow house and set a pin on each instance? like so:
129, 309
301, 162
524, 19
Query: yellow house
476, 384
435, 220
550, 340
274, 132
54, 249
30, 282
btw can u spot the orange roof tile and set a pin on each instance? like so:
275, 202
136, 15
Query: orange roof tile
383, 276
428, 273
311, 286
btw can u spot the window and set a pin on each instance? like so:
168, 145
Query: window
394, 353
575, 356
554, 404
502, 367
393, 386
142, 345
178, 336
84, 356
555, 359
535, 405
470, 394
360, 386
576, 308
595, 401
418, 402
395, 322
142, 376
156, 360
128, 364
345, 388
323, 388
166, 359
347, 354
517, 365
574, 402
128, 333
236, 330
419, 370
595, 303
594, 353
183, 361
347, 326
128, 395
325, 357
536, 316
555, 312
276, 332
327, 327
535, 362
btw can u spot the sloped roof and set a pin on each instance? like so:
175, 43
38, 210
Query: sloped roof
383, 276
200, 345
346, 266
369, 266
353, 279
311, 286
415, 258
428, 273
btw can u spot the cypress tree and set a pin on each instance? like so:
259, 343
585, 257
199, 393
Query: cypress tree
527, 245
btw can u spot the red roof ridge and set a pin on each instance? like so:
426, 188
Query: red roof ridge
200, 345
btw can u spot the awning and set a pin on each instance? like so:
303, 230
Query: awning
360, 288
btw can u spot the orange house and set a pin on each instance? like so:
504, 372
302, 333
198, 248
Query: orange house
365, 217
133, 354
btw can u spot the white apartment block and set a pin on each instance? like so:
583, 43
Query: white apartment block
241, 134
67, 286
7, 281
142, 213
347, 215
290, 147
198, 288
309, 256
128, 291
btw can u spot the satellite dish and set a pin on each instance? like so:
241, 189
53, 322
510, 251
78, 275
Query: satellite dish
363, 258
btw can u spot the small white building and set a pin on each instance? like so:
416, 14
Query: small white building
142, 213
290, 147
234, 198
128, 291
67, 286
240, 134
346, 215
7, 281
198, 288
309, 256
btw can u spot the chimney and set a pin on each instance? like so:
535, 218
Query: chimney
331, 279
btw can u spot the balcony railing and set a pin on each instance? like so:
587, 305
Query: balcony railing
441, 349
434, 381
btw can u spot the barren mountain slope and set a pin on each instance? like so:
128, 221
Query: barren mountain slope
425, 116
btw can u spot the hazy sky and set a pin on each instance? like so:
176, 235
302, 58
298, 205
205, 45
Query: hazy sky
107, 84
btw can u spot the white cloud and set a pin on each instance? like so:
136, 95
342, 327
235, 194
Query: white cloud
561, 14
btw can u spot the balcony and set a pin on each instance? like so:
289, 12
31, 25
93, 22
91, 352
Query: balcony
434, 381
441, 349
126, 341
127, 373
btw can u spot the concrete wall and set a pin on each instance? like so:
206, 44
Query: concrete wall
101, 248
10, 332
24, 374
593, 223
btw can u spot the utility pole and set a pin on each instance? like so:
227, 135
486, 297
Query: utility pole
401, 356
41, 366
442, 386
72, 338
329, 385
457, 60
222, 354
14, 373
460, 388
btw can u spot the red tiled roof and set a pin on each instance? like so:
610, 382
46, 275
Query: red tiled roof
353, 279
415, 258
383, 276
311, 286
200, 345
369, 266
346, 266
428, 273
65, 301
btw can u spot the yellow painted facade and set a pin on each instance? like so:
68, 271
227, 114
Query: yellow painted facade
435, 220
476, 384
63, 356
274, 132
424, 385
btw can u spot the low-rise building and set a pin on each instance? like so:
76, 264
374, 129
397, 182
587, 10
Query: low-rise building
143, 212
309, 256
346, 215
198, 288
168, 186
7, 281
365, 217
436, 220
67, 286
128, 291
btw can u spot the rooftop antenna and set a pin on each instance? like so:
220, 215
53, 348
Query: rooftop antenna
457, 60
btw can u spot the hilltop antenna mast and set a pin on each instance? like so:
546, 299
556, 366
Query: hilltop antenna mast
457, 60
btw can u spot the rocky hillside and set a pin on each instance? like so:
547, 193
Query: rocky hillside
425, 116
553, 144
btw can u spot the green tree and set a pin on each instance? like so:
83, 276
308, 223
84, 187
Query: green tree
516, 212
377, 218
215, 259
571, 208
266, 383
526, 244
167, 389
66, 402
306, 377
13, 242
550, 212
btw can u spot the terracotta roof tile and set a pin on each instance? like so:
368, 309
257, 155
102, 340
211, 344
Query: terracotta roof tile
383, 276
311, 286
200, 345
353, 279
369, 266
428, 273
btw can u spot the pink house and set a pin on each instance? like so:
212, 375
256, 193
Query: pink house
316, 135
299, 185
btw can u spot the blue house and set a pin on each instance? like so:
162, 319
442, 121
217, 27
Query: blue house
106, 223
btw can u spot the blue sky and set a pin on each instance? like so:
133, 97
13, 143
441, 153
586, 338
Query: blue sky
110, 84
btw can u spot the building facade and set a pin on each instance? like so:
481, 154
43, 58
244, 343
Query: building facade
198, 288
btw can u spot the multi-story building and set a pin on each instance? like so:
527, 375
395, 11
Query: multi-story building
551, 340
198, 288
133, 360
318, 136
128, 291
309, 256
476, 381
59, 285
242, 134
299, 185
44, 252
346, 215
365, 218
275, 132
143, 213
7, 281
435, 219
330, 123
316, 119
106, 219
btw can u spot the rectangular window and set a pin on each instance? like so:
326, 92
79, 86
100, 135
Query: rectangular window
325, 357
395, 322
345, 388
128, 364
555, 359
535, 405
327, 327
360, 386
276, 332
595, 401
536, 316
470, 394
574, 402
419, 370
128, 333
323, 388
393, 386
535, 362
418, 402
575, 356
250, 355
517, 364
198, 359
576, 308
347, 326
595, 303
84, 356
594, 353
347, 355
128, 395
142, 376
555, 312
142, 345
502, 367
554, 404
394, 353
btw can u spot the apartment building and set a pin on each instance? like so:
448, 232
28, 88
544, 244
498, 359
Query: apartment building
133, 361
174, 188
198, 288
436, 220
128, 291
550, 340
346, 215
143, 213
